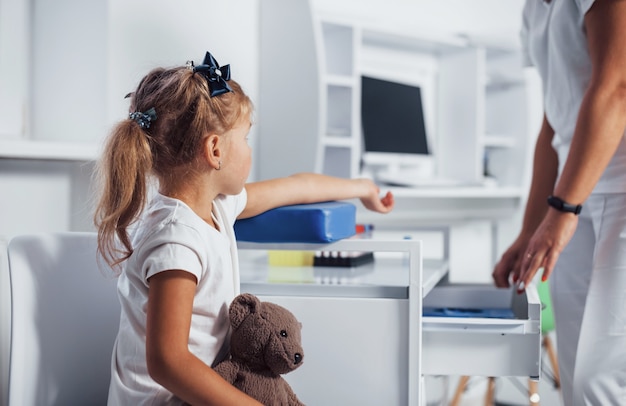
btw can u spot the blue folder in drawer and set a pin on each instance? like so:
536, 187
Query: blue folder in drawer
301, 223
468, 313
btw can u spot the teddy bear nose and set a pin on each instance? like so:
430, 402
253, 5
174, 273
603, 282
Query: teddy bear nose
297, 358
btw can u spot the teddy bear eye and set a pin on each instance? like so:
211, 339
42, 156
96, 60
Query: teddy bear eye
283, 333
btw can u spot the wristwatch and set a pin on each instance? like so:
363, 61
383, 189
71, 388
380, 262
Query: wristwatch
563, 206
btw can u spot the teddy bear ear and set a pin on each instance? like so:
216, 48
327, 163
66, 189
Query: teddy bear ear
243, 305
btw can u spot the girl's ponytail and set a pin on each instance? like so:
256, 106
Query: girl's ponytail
123, 174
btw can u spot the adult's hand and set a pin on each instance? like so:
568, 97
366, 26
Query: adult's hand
510, 263
545, 246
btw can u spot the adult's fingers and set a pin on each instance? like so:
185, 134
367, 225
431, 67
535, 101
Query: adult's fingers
531, 264
549, 265
500, 275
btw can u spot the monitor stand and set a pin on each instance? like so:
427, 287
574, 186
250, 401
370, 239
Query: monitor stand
406, 180
403, 174
414, 177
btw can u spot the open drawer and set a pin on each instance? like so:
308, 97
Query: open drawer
485, 346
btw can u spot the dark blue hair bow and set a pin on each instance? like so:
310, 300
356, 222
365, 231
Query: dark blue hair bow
215, 75
144, 119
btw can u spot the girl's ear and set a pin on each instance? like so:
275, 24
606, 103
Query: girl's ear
212, 150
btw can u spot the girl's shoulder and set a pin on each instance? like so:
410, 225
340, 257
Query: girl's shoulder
168, 219
232, 205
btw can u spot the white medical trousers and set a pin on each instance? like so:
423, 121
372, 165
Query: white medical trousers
588, 288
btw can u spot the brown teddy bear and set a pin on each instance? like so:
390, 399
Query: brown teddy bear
265, 343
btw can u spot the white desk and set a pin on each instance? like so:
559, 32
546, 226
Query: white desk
481, 222
363, 330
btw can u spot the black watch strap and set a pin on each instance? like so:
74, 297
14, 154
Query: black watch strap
563, 206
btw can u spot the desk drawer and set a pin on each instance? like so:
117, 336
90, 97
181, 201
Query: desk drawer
482, 346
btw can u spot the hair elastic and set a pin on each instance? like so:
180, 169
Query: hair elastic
144, 119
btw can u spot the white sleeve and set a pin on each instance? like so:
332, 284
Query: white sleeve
174, 247
584, 6
172, 256
233, 205
242, 200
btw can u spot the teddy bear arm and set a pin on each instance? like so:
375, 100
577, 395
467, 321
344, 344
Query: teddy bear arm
227, 370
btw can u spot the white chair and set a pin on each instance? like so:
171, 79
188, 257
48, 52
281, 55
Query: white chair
64, 319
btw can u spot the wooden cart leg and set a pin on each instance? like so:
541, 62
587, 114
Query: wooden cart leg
491, 388
459, 390
547, 344
533, 392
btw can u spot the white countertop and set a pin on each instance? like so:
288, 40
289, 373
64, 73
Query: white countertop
387, 276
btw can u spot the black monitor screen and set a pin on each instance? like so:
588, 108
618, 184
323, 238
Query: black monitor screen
392, 117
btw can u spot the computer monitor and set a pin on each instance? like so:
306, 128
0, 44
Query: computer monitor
395, 139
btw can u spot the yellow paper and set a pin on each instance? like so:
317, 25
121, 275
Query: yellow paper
290, 258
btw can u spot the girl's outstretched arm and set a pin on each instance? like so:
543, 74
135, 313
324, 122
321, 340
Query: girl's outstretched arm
313, 188
170, 301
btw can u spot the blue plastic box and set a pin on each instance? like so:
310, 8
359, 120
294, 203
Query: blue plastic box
302, 223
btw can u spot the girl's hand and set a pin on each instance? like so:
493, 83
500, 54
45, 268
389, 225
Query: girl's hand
545, 246
373, 201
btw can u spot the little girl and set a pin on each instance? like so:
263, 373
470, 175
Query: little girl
176, 253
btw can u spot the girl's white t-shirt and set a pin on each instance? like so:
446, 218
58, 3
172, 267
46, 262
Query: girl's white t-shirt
555, 42
171, 236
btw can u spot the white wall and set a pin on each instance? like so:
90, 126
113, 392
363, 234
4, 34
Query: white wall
490, 22
14, 39
85, 57
149, 33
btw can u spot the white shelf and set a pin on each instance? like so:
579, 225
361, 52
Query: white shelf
434, 43
338, 141
48, 150
466, 192
498, 141
385, 275
502, 83
417, 207
340, 80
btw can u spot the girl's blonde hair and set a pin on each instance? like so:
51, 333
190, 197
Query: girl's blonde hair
167, 149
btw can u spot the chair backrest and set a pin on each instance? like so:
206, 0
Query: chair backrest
64, 320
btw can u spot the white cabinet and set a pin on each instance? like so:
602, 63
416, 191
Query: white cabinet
487, 116
339, 147
350, 315
475, 101
308, 116
512, 117
475, 95
482, 345
365, 339
482, 111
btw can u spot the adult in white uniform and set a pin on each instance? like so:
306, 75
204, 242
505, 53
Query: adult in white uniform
574, 224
